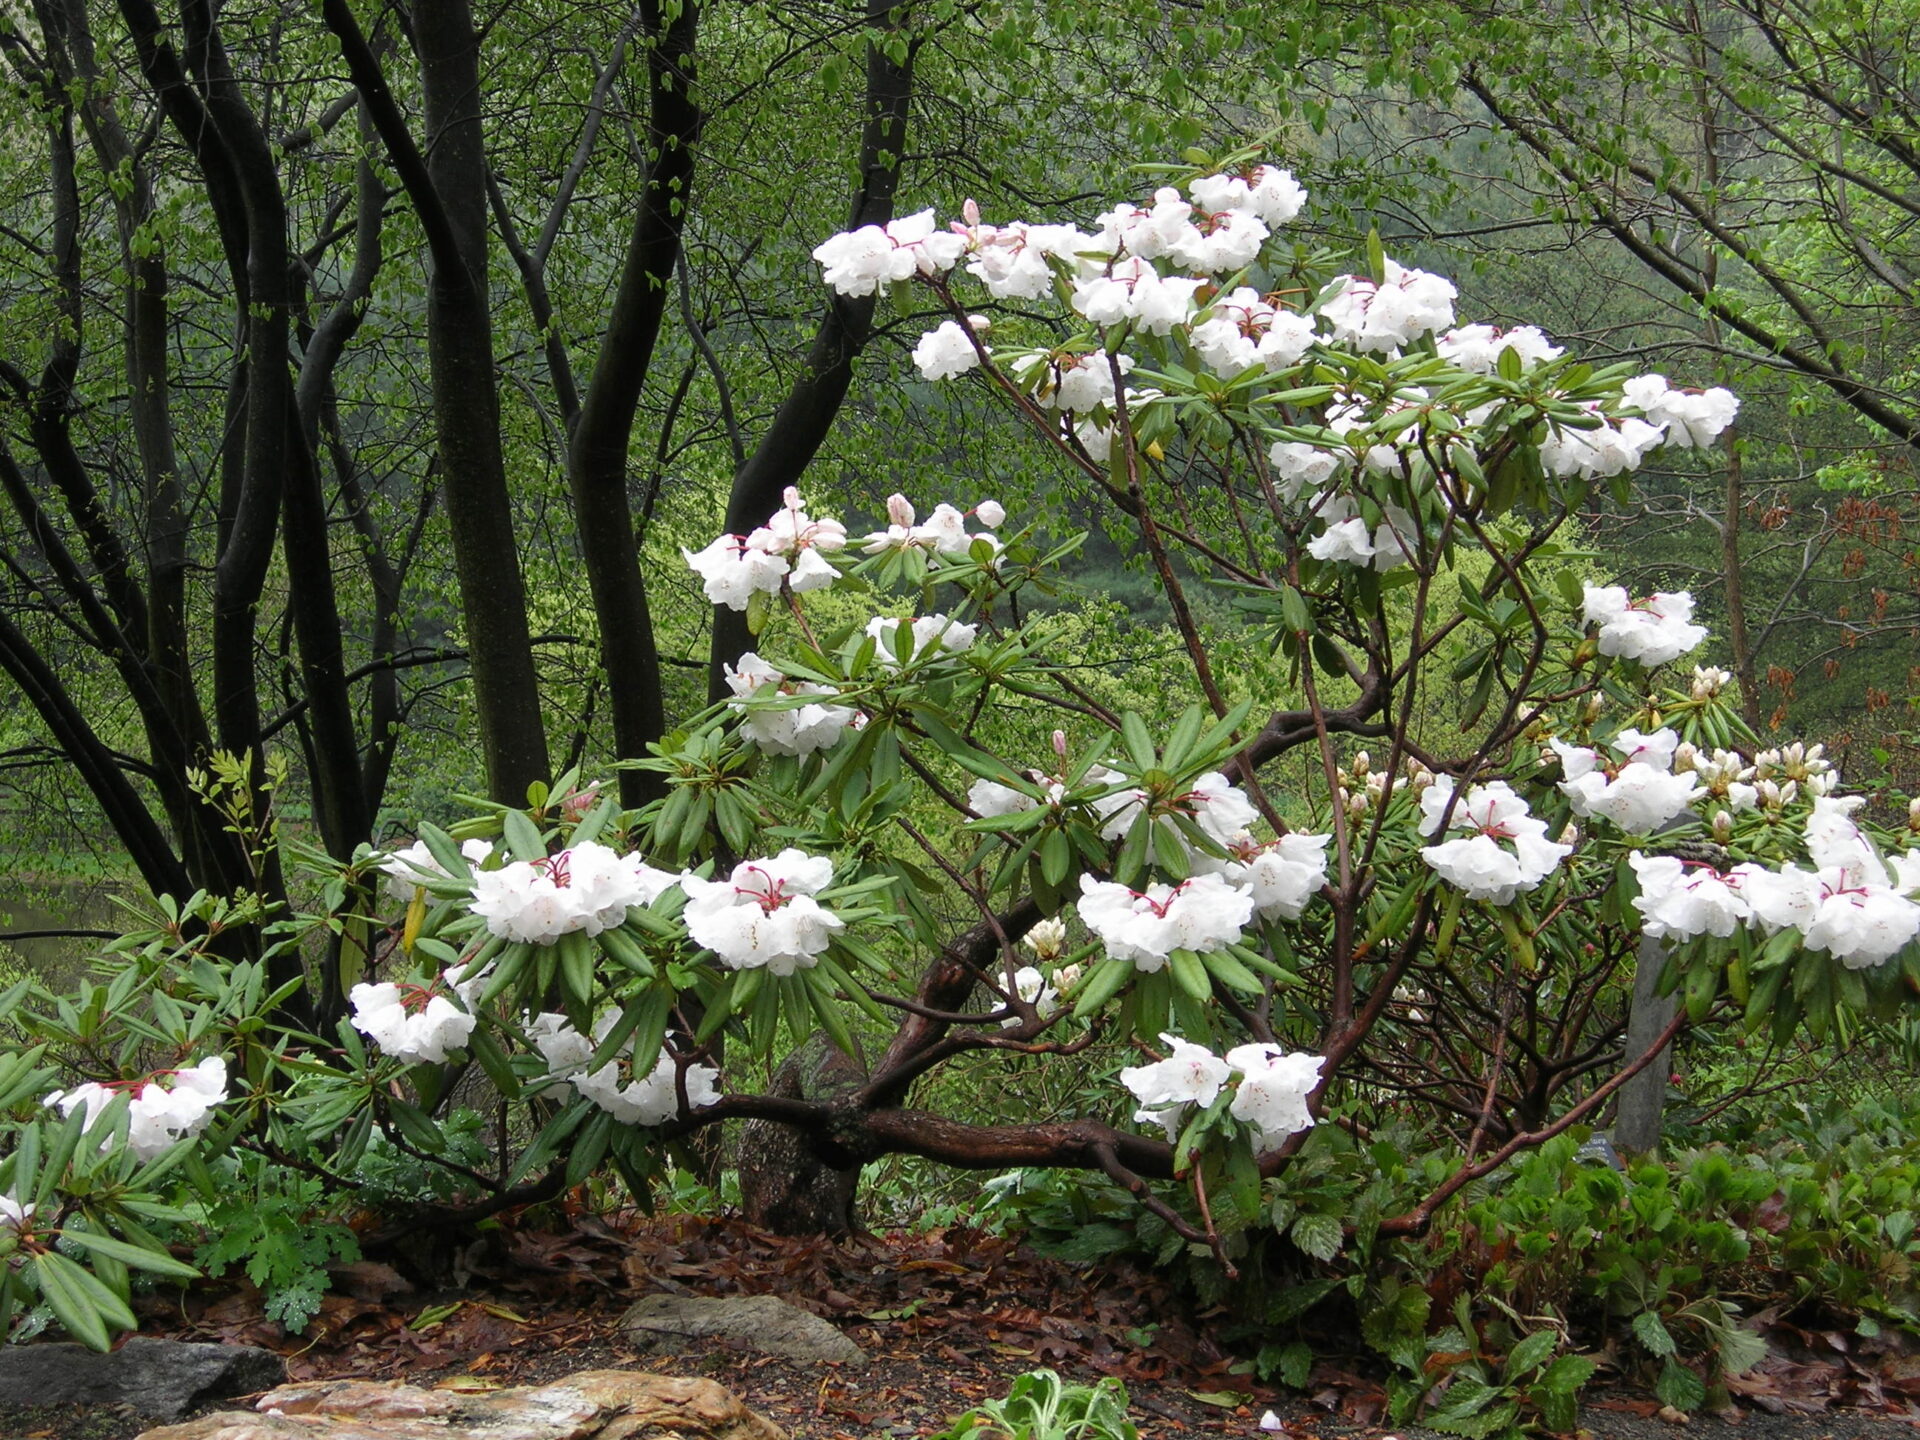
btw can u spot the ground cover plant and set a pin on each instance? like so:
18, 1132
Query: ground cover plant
1373, 860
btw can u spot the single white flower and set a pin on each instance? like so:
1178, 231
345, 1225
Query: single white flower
1272, 1094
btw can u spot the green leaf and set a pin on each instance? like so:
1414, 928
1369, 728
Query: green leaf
1530, 1354
1680, 1387
523, 839
1651, 1332
1105, 980
1321, 1236
139, 1257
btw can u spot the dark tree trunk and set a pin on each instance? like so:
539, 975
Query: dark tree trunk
786, 1184
806, 416
597, 456
466, 405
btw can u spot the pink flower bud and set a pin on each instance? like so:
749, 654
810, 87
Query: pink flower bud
970, 210
899, 511
1060, 743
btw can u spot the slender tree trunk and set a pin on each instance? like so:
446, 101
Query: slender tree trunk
466, 406
597, 456
806, 416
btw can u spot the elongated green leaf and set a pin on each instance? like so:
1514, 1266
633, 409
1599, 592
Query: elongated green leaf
137, 1257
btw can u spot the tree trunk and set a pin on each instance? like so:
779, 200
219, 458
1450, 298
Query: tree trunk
786, 1185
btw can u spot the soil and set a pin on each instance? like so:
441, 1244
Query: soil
948, 1320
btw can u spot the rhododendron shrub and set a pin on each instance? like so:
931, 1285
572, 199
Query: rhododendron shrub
1387, 846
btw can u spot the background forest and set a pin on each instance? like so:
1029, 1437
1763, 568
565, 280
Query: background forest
367, 369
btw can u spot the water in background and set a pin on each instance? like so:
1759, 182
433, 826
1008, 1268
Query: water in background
59, 962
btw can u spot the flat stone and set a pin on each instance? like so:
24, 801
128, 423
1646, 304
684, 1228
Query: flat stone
161, 1378
593, 1405
688, 1324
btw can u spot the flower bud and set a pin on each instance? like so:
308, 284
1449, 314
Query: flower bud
1362, 763
1913, 814
1595, 706
899, 510
1060, 743
1722, 828
1047, 940
970, 211
1067, 976
990, 513
1685, 757
1708, 682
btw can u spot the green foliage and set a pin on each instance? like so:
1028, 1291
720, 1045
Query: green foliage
274, 1223
1042, 1406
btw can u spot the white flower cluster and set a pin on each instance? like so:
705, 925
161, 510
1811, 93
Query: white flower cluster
1652, 631
1271, 1098
160, 1114
784, 729
1478, 347
1854, 905
1210, 909
651, 1099
1692, 419
944, 532
1220, 808
1199, 914
1479, 863
1639, 795
934, 636
1606, 448
1385, 316
1241, 330
764, 913
1280, 875
411, 1023
790, 549
588, 888
948, 351
409, 869
1349, 540
867, 260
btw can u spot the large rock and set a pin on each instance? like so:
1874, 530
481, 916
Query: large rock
593, 1405
162, 1378
679, 1324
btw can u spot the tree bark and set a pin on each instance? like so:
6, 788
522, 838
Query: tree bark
597, 455
805, 418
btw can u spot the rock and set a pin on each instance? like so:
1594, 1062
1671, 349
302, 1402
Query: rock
593, 1405
676, 1325
161, 1378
